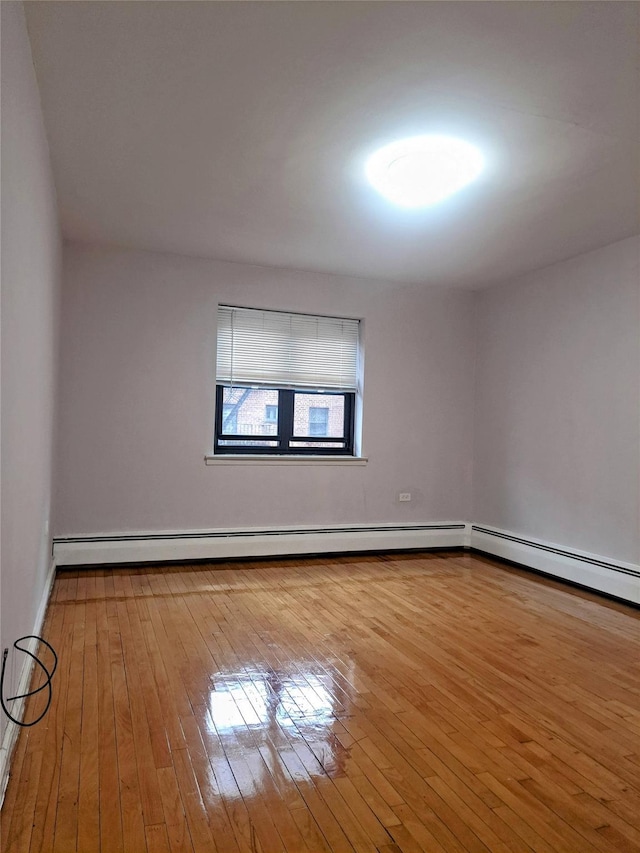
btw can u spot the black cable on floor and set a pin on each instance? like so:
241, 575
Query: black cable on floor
47, 683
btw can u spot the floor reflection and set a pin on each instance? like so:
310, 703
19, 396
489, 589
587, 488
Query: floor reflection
289, 719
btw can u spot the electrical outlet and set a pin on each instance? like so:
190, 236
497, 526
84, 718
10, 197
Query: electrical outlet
404, 496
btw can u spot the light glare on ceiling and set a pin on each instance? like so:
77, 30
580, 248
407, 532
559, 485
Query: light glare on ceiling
423, 170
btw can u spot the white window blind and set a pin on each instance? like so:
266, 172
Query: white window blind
283, 350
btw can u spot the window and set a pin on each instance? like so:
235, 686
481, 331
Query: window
318, 420
286, 383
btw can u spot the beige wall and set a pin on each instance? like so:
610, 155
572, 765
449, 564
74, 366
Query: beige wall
30, 306
137, 399
557, 418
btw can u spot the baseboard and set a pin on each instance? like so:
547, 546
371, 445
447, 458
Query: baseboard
593, 571
249, 543
621, 580
11, 732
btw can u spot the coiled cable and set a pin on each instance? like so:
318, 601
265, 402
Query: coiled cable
44, 686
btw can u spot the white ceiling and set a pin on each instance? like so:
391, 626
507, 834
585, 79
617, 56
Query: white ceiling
239, 130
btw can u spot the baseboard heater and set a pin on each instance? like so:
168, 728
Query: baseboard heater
619, 579
269, 542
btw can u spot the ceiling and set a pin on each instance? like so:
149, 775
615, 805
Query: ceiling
239, 130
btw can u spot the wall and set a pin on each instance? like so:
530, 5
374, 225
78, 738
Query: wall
30, 302
137, 399
557, 418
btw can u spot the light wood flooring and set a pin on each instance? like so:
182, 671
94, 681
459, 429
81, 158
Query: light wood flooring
417, 702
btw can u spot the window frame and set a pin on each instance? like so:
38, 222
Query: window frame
285, 427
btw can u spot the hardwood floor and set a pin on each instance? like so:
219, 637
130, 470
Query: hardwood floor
392, 703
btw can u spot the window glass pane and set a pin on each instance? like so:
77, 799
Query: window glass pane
229, 419
237, 442
245, 411
294, 444
318, 415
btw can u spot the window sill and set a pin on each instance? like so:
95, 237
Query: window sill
245, 459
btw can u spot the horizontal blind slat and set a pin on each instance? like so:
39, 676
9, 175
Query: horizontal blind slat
286, 350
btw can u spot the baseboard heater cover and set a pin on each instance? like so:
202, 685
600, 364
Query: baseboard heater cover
228, 544
619, 579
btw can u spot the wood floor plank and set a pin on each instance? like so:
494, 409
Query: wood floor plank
175, 819
135, 661
66, 825
133, 837
89, 787
414, 831
108, 779
52, 731
157, 838
22, 824
394, 702
197, 822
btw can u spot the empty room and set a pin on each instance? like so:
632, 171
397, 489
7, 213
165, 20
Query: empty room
320, 427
